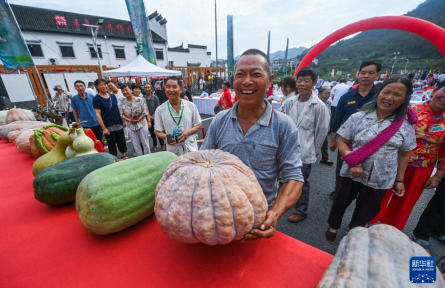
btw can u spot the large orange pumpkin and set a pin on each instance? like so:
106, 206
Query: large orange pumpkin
209, 196
17, 114
48, 140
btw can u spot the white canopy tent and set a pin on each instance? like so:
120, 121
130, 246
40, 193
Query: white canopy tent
142, 68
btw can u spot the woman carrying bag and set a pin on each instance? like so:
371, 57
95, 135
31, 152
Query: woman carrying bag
430, 153
108, 116
380, 137
134, 111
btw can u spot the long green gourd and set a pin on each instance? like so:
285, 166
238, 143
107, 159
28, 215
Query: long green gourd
120, 195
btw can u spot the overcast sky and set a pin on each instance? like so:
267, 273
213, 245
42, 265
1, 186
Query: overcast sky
192, 21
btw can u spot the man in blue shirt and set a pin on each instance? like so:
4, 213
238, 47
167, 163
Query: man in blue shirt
349, 104
83, 109
263, 138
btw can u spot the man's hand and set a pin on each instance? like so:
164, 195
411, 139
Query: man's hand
183, 136
399, 189
431, 183
106, 131
267, 229
169, 143
333, 144
356, 171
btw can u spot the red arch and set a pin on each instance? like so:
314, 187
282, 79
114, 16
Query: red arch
433, 33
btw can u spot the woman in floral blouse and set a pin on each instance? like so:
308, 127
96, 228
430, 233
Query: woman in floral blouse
134, 111
430, 136
381, 138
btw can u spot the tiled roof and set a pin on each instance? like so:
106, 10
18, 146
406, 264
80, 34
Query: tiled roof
39, 19
197, 46
179, 48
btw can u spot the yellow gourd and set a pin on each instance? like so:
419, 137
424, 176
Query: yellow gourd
56, 155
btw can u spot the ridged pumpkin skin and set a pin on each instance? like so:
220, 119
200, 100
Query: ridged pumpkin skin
58, 183
378, 256
12, 136
21, 139
8, 128
209, 196
48, 139
33, 146
17, 114
117, 196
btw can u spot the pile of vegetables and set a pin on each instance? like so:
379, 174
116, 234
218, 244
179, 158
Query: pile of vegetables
112, 195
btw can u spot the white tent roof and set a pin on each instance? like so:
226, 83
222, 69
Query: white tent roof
142, 68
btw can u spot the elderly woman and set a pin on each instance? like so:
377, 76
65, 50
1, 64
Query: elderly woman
430, 136
381, 138
134, 112
324, 93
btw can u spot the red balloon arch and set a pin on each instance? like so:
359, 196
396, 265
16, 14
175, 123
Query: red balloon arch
433, 33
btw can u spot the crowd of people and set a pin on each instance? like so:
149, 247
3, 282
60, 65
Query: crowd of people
119, 111
387, 148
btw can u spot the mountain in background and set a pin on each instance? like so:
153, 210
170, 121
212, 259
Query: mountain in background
381, 44
292, 53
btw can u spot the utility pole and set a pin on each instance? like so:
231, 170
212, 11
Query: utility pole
406, 65
216, 45
94, 31
394, 63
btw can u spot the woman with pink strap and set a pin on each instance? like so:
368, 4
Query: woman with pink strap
375, 144
429, 154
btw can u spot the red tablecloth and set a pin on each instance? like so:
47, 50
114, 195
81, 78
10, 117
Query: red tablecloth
42, 246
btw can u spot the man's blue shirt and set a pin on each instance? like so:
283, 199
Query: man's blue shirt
270, 148
85, 110
349, 104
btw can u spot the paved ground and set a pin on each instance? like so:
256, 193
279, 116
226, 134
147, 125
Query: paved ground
311, 230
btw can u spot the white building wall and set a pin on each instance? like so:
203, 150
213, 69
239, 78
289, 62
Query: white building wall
51, 49
161, 30
199, 55
194, 56
178, 58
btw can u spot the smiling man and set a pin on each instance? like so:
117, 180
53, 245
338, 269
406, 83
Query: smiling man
264, 139
349, 104
177, 121
311, 116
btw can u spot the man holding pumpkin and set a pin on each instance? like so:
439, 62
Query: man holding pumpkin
264, 139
